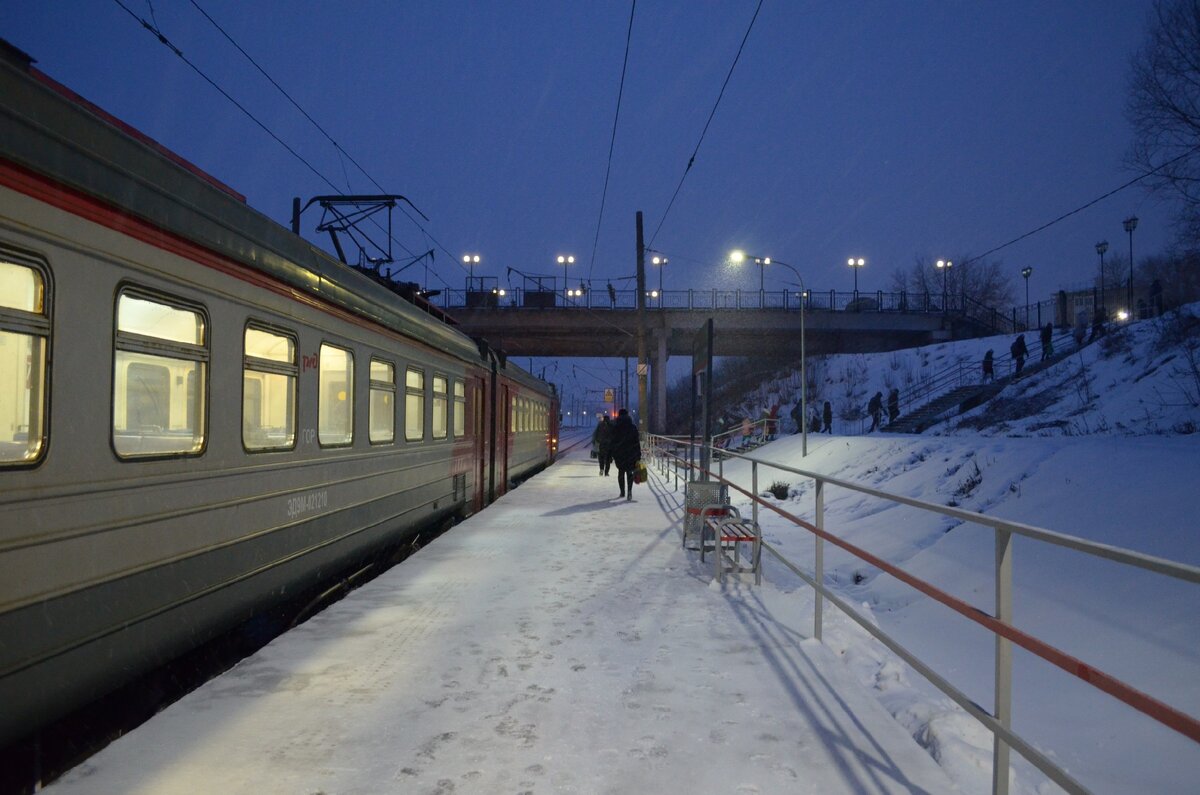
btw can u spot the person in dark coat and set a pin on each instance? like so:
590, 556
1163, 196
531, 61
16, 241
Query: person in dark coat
626, 451
827, 417
602, 441
875, 409
989, 373
1019, 352
798, 416
893, 405
1047, 341
815, 425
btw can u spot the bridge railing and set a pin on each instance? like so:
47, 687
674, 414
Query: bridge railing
675, 456
717, 299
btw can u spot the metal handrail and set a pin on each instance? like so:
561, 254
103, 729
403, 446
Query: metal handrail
1000, 624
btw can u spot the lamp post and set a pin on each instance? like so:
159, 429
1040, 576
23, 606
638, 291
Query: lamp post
565, 260
944, 265
1102, 247
660, 261
1027, 272
739, 256
1130, 225
470, 260
855, 264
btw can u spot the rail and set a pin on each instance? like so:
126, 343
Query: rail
549, 296
665, 451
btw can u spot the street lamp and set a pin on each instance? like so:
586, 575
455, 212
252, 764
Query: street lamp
1026, 272
565, 260
1102, 247
659, 261
944, 265
470, 260
739, 256
1130, 225
855, 264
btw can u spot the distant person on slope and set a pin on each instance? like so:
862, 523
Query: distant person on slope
1019, 352
626, 451
989, 374
893, 405
827, 417
1047, 341
875, 409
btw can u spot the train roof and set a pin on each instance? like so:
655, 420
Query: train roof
50, 130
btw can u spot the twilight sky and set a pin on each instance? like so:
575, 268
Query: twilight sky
887, 130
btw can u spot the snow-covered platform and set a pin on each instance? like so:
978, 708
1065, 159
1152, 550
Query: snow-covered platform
561, 641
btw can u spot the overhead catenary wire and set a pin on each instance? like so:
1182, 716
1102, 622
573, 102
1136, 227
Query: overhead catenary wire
332, 141
613, 140
1083, 207
711, 115
155, 31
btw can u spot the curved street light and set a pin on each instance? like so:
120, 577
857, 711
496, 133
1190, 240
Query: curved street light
1026, 272
1102, 247
740, 256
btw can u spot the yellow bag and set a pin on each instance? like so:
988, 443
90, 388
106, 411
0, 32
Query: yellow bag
639, 473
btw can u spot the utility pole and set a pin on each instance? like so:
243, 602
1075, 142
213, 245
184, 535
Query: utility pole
642, 366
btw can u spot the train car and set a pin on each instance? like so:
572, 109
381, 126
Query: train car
200, 413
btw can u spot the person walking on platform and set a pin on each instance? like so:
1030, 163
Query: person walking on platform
875, 409
989, 373
602, 442
797, 413
626, 451
1047, 341
827, 417
1019, 352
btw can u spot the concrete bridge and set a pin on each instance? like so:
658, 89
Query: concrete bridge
745, 324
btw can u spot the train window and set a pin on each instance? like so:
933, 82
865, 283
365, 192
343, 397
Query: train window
159, 371
460, 408
382, 414
414, 405
440, 406
24, 334
335, 397
268, 390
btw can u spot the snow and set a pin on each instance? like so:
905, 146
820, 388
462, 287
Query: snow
562, 640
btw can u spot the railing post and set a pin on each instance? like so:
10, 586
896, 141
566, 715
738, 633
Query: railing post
1003, 705
819, 560
754, 490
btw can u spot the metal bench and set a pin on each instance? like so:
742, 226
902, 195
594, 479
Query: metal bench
723, 532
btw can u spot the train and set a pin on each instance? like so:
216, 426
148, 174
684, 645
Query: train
201, 413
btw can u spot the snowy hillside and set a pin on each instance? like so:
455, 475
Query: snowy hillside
1100, 445
1143, 378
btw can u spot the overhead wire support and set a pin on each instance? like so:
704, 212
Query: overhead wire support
162, 38
704, 132
613, 140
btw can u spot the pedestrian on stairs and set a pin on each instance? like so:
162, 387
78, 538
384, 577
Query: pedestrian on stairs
875, 409
893, 405
1019, 352
989, 374
1047, 341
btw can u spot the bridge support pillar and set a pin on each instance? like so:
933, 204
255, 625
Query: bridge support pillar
658, 366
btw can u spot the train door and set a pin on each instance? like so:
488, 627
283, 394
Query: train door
504, 437
478, 442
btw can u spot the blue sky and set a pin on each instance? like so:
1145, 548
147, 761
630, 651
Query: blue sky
887, 130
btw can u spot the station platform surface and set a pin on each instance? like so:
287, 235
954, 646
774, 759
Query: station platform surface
559, 641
